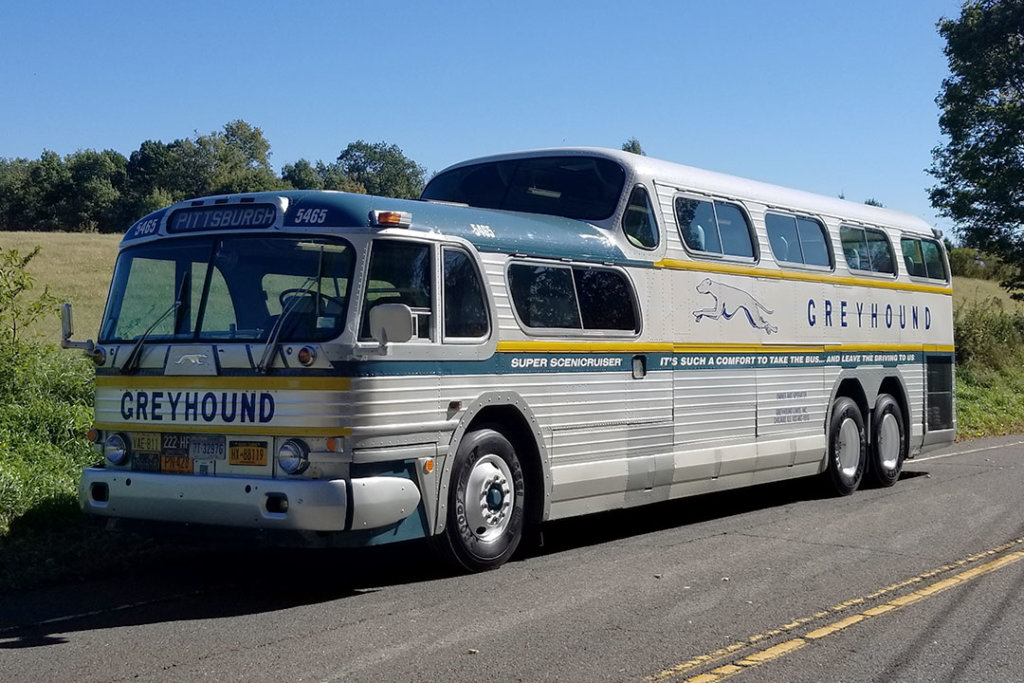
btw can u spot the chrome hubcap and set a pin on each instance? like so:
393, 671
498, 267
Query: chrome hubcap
848, 449
888, 442
489, 496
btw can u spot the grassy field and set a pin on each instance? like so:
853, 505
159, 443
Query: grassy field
76, 267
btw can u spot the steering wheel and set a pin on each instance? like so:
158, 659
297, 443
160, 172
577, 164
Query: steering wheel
326, 299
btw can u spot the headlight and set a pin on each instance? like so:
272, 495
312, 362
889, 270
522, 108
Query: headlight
293, 456
116, 450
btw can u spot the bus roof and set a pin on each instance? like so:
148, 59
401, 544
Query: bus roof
640, 167
486, 229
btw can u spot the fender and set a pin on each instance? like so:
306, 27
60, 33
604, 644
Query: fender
491, 399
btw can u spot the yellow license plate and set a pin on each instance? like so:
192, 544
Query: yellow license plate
253, 453
175, 464
146, 442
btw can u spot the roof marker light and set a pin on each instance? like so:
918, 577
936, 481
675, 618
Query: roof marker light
394, 219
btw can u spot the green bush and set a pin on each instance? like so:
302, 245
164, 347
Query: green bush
45, 404
980, 266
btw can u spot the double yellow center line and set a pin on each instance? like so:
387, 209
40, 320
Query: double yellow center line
735, 662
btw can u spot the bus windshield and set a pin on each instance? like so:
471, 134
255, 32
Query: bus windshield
585, 188
230, 288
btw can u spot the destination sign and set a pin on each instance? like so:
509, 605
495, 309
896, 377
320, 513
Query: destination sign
234, 217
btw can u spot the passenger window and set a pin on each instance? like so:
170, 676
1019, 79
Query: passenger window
923, 258
465, 306
638, 223
714, 227
867, 249
606, 299
544, 296
575, 298
798, 240
399, 273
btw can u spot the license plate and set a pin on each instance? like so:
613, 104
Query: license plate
206, 447
252, 453
145, 442
174, 444
146, 462
175, 464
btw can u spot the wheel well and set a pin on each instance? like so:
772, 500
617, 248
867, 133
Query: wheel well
851, 388
893, 387
511, 423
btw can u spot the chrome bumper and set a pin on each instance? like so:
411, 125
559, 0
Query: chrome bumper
298, 504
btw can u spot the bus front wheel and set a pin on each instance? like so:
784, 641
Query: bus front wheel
888, 443
486, 502
847, 454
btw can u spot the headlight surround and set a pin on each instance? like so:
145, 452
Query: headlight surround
293, 456
116, 449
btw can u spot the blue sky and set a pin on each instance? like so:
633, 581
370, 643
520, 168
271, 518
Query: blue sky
830, 97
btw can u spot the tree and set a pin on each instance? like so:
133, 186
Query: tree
980, 169
382, 169
633, 145
871, 201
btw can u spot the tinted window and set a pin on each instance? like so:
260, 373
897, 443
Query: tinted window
544, 296
606, 299
577, 297
714, 227
867, 249
586, 188
923, 258
465, 308
638, 221
797, 240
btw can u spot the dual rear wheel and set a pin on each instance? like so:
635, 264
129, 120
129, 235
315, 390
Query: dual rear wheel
850, 456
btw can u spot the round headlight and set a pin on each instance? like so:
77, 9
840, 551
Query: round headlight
293, 456
115, 449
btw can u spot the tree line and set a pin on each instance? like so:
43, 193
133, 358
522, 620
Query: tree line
104, 191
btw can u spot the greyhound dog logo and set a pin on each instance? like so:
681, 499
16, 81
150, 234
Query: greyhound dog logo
731, 300
192, 359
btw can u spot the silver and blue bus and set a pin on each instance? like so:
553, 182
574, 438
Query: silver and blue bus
542, 335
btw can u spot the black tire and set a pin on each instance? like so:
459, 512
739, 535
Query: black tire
888, 442
486, 502
847, 448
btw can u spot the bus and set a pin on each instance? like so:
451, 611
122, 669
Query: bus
541, 335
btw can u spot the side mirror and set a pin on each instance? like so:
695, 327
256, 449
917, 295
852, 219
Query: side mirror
391, 323
67, 329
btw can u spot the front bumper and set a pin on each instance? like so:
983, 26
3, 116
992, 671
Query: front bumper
298, 504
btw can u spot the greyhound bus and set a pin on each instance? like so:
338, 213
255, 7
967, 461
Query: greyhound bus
543, 334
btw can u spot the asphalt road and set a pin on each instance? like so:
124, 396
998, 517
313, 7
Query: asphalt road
919, 582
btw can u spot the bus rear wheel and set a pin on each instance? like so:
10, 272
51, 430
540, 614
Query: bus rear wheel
846, 447
888, 442
486, 502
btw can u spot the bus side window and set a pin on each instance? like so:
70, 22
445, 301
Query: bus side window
544, 296
399, 273
638, 222
465, 306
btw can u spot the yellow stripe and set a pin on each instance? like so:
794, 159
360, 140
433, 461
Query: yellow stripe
217, 382
544, 346
259, 430
795, 276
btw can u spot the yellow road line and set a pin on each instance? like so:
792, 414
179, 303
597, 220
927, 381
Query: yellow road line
776, 651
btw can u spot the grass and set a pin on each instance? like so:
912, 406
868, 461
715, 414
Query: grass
77, 267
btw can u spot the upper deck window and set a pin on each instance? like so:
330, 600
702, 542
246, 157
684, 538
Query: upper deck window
585, 188
797, 239
230, 289
638, 223
923, 258
867, 249
714, 227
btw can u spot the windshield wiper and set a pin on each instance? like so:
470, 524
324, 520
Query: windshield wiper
271, 348
131, 364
